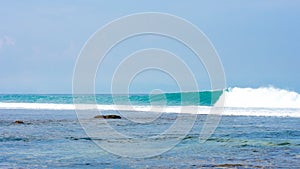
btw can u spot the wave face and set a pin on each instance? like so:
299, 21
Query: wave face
206, 98
238, 101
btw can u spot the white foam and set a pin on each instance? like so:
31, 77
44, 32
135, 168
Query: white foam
279, 112
262, 98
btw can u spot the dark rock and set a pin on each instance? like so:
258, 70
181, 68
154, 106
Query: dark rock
227, 165
19, 122
107, 117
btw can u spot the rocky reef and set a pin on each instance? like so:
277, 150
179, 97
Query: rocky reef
111, 116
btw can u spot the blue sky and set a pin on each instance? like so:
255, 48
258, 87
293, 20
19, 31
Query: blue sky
257, 41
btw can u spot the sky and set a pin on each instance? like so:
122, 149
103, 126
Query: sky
257, 41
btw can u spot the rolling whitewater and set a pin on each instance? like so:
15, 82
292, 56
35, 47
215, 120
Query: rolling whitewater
259, 128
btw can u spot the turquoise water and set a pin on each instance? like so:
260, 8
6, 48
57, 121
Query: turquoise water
189, 98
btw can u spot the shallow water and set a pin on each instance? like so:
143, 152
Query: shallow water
55, 139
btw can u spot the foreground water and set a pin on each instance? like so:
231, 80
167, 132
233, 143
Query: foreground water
54, 138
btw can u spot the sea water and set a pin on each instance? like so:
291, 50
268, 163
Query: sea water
248, 135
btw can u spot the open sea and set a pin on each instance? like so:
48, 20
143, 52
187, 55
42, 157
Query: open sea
258, 128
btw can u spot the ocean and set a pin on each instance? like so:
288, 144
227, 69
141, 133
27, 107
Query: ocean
257, 128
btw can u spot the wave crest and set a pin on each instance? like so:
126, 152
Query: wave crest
264, 97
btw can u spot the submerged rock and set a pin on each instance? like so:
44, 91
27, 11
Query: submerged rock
112, 116
19, 122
